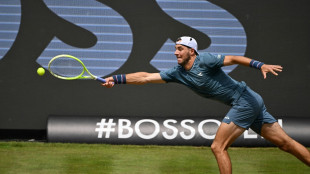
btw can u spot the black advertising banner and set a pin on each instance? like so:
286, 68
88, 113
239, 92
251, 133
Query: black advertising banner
196, 131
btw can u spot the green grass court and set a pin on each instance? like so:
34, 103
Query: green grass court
41, 158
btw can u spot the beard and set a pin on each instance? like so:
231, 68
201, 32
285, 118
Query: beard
184, 60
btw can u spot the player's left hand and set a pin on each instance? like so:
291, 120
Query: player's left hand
271, 68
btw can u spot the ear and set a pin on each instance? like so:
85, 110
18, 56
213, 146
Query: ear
192, 51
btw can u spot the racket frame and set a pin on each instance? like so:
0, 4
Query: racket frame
80, 76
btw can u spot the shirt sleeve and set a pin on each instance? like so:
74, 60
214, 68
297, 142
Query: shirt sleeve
213, 60
168, 75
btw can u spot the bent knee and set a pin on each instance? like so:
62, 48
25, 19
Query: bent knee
213, 147
217, 148
286, 145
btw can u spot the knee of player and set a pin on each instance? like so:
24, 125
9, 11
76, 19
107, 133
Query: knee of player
308, 163
286, 145
217, 148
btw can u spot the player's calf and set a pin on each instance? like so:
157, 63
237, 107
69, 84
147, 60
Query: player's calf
293, 147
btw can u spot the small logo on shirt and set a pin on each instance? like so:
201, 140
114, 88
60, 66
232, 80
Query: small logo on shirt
200, 74
227, 118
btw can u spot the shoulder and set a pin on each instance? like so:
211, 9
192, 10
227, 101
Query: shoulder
210, 56
212, 60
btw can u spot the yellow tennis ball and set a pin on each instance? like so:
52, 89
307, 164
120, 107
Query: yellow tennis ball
41, 71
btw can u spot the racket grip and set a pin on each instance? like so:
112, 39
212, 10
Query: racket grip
101, 79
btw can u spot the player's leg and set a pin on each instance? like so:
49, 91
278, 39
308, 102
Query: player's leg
225, 136
275, 134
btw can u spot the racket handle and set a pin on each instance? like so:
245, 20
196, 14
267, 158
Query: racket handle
101, 80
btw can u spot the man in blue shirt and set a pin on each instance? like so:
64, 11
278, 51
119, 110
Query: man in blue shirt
203, 74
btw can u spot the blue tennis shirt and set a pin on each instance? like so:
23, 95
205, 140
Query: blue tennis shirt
207, 79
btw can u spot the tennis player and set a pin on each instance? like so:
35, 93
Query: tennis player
202, 73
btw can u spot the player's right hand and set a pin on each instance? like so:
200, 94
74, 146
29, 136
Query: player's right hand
109, 82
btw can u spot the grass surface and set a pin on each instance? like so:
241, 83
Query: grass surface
34, 157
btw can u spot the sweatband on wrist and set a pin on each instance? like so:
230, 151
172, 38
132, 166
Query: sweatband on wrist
119, 79
256, 64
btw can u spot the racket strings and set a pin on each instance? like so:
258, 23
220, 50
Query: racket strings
66, 67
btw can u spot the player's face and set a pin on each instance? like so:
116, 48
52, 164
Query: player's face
183, 54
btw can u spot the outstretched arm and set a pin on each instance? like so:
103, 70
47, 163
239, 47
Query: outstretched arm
138, 78
265, 68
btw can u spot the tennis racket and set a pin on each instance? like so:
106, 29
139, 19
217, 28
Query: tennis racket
68, 67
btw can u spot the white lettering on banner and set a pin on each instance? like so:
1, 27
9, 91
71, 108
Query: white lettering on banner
200, 129
246, 135
122, 127
174, 129
125, 130
280, 121
105, 127
191, 129
154, 134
